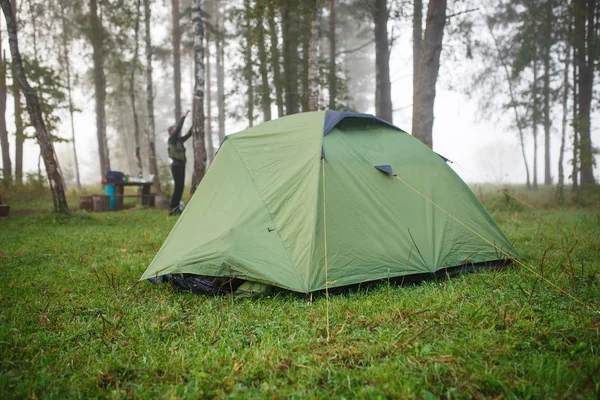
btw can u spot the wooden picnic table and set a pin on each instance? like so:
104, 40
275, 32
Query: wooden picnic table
119, 193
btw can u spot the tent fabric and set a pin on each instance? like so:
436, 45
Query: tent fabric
258, 213
333, 118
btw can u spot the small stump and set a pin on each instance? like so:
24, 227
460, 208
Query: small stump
4, 209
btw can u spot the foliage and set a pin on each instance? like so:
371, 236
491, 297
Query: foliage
74, 323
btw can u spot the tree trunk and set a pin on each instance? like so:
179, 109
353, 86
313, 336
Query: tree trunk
67, 64
97, 41
383, 87
575, 159
546, 90
220, 50
275, 61
313, 58
134, 63
534, 119
305, 35
264, 62
19, 134
198, 103
332, 58
248, 74
290, 57
176, 42
501, 58
586, 56
6, 163
210, 148
33, 106
150, 133
565, 96
428, 68
417, 44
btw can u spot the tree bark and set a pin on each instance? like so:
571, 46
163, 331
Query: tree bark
134, 63
290, 57
55, 178
585, 11
534, 119
275, 61
67, 64
19, 134
220, 50
565, 96
575, 159
546, 89
6, 163
248, 74
176, 42
210, 148
313, 58
198, 102
332, 57
97, 41
150, 132
417, 44
428, 68
383, 88
264, 62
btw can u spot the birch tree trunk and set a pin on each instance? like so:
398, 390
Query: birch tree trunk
150, 132
198, 102
55, 178
176, 42
565, 96
313, 59
248, 73
134, 68
575, 159
19, 137
417, 43
332, 57
6, 163
428, 68
275, 59
220, 50
210, 148
67, 65
97, 41
547, 7
265, 90
290, 57
534, 119
383, 87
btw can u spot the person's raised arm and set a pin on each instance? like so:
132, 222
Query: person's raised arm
177, 131
187, 136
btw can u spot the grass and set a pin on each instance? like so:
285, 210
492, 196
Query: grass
74, 323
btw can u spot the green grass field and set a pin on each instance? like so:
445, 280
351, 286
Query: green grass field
74, 323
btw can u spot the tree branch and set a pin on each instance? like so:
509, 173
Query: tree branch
362, 46
462, 12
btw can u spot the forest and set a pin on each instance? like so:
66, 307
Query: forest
127, 65
498, 237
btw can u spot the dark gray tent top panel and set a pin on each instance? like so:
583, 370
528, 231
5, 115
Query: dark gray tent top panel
333, 118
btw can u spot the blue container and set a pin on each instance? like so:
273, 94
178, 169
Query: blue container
110, 190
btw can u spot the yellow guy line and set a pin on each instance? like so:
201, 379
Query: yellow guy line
325, 245
499, 249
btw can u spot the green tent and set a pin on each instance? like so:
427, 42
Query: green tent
280, 193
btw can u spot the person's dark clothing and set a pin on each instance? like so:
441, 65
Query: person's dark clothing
178, 171
177, 154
